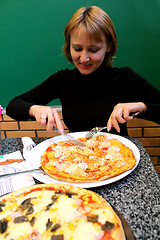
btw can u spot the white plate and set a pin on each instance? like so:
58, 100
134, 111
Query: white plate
34, 159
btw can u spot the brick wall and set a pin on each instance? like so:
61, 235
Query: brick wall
147, 132
17, 129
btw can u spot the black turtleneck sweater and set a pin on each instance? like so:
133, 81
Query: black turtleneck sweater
88, 100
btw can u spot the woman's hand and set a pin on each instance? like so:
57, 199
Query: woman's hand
46, 116
124, 112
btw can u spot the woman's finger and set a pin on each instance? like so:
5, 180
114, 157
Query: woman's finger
115, 124
50, 122
112, 122
118, 115
109, 125
57, 120
47, 116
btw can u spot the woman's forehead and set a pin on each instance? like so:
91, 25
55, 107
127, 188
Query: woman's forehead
92, 35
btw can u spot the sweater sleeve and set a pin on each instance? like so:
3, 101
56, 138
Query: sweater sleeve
143, 91
153, 112
50, 89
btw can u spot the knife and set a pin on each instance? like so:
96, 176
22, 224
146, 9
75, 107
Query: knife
26, 171
73, 139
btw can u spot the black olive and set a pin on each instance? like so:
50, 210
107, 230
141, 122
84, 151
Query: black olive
3, 225
32, 221
57, 237
70, 194
2, 204
55, 227
59, 192
48, 206
49, 224
30, 210
54, 198
108, 226
26, 204
20, 219
92, 219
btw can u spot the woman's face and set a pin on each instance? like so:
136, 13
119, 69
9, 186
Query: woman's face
87, 54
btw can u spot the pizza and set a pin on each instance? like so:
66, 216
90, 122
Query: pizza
57, 212
101, 159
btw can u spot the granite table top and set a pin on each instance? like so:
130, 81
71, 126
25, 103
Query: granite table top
136, 196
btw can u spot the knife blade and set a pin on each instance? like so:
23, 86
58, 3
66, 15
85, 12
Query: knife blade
73, 139
26, 171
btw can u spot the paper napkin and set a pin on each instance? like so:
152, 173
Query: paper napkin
15, 182
28, 145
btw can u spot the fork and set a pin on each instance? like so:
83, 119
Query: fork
93, 131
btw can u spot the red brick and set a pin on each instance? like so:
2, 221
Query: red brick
150, 141
2, 134
157, 169
9, 126
33, 125
7, 118
140, 123
153, 151
135, 132
154, 160
19, 134
152, 132
48, 134
30, 125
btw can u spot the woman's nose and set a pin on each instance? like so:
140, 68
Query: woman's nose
84, 56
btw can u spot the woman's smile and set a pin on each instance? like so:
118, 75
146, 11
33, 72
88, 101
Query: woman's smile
87, 53
85, 66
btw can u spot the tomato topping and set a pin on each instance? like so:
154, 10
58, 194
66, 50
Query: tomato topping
107, 236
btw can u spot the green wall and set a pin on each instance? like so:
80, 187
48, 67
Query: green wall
31, 39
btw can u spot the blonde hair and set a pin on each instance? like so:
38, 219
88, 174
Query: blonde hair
96, 21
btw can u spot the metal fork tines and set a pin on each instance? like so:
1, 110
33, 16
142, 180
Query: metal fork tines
94, 131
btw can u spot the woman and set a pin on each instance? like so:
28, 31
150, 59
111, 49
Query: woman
94, 93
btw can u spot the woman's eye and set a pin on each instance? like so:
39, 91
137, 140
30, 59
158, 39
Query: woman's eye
94, 50
77, 49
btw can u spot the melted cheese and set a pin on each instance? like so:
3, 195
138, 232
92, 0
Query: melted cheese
42, 220
18, 230
70, 168
83, 165
66, 207
86, 231
104, 214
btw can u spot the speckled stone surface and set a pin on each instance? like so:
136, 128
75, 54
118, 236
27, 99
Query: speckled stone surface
136, 197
